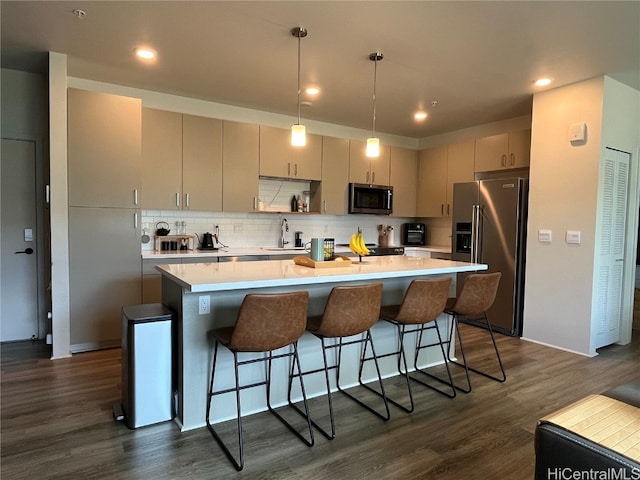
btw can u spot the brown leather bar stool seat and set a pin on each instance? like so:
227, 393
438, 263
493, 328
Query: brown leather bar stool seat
348, 316
265, 323
476, 296
423, 302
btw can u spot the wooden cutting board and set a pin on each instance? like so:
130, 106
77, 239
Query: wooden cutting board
338, 261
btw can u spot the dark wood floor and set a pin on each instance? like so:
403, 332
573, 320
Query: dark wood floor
57, 423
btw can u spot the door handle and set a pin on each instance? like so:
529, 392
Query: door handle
28, 251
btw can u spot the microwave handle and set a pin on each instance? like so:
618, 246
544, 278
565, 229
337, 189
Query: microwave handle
389, 193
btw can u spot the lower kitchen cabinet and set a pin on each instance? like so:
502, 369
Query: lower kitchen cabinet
152, 280
104, 273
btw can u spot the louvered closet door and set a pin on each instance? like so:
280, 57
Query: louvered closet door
611, 234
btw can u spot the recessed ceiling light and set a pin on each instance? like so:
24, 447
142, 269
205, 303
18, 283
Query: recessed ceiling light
145, 53
420, 115
542, 82
312, 91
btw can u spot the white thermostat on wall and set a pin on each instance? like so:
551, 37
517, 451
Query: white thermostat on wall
578, 132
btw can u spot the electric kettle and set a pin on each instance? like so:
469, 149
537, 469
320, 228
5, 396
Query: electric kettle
207, 241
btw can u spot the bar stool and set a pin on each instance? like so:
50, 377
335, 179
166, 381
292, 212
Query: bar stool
476, 296
349, 311
265, 322
423, 302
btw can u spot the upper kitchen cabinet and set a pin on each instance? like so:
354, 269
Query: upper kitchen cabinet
403, 178
505, 150
240, 165
182, 159
201, 163
161, 159
330, 195
104, 149
368, 170
279, 159
439, 169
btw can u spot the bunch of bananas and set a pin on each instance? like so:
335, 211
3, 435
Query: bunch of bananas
357, 245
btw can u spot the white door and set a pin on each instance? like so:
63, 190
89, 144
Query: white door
18, 262
610, 247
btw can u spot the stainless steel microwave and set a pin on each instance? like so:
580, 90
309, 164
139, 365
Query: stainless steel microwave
373, 199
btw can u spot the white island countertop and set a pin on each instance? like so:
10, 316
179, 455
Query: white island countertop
211, 277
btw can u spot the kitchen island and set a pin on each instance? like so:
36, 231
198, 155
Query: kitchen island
208, 295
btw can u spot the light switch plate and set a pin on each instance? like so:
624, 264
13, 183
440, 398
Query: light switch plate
573, 237
545, 236
28, 234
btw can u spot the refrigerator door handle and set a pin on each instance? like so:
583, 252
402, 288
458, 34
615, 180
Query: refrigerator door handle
475, 233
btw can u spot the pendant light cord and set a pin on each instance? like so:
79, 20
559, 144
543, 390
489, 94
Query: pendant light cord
299, 79
375, 76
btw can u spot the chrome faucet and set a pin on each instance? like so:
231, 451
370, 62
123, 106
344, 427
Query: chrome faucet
284, 227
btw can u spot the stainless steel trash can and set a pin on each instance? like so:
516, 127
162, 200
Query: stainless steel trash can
147, 364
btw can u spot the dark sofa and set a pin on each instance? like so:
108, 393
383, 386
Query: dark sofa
561, 453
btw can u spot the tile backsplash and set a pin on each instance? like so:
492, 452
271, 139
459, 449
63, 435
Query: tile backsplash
263, 229
258, 229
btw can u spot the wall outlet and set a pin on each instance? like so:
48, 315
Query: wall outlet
204, 306
237, 227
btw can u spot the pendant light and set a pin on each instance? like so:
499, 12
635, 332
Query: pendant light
298, 131
373, 142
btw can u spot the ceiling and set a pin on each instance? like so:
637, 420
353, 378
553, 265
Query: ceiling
477, 59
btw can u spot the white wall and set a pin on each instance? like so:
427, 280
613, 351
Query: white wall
563, 196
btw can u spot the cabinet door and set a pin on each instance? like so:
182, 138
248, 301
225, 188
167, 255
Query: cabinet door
240, 161
403, 176
307, 160
460, 163
519, 148
369, 170
104, 273
201, 163
162, 159
331, 194
432, 182
491, 152
278, 158
104, 149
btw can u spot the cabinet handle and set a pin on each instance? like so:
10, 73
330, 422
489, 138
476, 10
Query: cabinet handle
367, 178
135, 220
295, 172
324, 206
177, 199
503, 160
512, 157
448, 210
186, 200
442, 209
135, 196
373, 177
288, 169
255, 203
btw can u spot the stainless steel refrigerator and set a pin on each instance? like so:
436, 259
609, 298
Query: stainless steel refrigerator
489, 226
